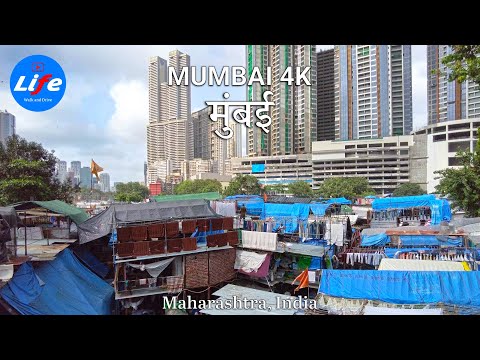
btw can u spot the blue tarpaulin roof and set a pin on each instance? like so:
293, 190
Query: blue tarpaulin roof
288, 213
63, 286
253, 203
423, 240
402, 202
440, 207
91, 261
404, 287
319, 209
340, 200
375, 240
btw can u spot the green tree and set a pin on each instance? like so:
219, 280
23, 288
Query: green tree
198, 186
464, 63
462, 185
277, 188
300, 189
131, 192
243, 185
408, 189
27, 172
349, 187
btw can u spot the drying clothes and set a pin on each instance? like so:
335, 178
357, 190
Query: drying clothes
224, 208
171, 229
156, 231
138, 233
188, 226
227, 223
217, 224
303, 262
154, 269
248, 261
129, 303
336, 234
259, 240
174, 284
203, 225
123, 234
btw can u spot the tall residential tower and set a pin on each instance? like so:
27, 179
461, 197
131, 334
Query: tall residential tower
170, 129
448, 100
373, 91
7, 125
294, 115
325, 95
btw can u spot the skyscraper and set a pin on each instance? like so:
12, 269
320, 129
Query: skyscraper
373, 91
85, 177
7, 125
61, 169
75, 167
104, 182
448, 100
325, 95
207, 145
294, 115
170, 129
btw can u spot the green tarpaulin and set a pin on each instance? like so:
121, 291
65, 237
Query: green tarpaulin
77, 215
201, 196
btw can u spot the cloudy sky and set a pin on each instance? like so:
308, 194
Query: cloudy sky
104, 112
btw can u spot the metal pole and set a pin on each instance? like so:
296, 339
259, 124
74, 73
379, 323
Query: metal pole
46, 214
25, 224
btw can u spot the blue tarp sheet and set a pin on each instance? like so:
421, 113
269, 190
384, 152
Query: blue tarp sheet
390, 252
319, 209
254, 208
287, 215
402, 202
63, 286
423, 240
404, 287
375, 240
440, 207
340, 200
91, 261
253, 203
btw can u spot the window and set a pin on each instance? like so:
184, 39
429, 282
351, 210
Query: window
458, 146
403, 152
349, 146
454, 161
375, 145
363, 146
404, 143
459, 126
389, 144
459, 135
439, 129
437, 138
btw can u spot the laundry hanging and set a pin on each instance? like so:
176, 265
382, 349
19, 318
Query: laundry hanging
259, 240
154, 269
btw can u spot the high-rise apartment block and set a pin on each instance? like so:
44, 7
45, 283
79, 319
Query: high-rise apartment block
170, 130
294, 115
373, 91
448, 100
325, 95
7, 125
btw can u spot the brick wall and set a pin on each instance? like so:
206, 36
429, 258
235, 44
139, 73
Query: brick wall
196, 270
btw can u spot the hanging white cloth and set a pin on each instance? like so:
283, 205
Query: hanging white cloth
336, 234
259, 240
248, 261
225, 208
154, 269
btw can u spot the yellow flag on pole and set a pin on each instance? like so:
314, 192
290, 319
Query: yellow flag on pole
95, 168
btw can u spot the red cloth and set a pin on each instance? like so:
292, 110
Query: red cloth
138, 233
227, 223
262, 270
123, 234
156, 231
217, 223
171, 229
188, 226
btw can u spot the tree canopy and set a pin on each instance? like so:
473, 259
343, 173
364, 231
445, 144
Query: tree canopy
27, 172
243, 185
300, 189
198, 186
464, 63
131, 192
408, 189
349, 187
462, 184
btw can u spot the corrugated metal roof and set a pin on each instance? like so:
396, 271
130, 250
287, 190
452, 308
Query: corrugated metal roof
273, 301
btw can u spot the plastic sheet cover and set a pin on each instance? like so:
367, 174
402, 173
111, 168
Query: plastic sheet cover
319, 209
404, 287
402, 202
63, 286
375, 240
340, 200
287, 214
421, 240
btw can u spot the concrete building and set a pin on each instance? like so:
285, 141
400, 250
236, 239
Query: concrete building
326, 95
7, 125
170, 129
439, 144
159, 170
385, 163
75, 166
193, 167
294, 115
223, 179
448, 100
373, 91
271, 170
105, 182
145, 172
85, 177
61, 170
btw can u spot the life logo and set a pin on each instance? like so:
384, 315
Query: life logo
38, 83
